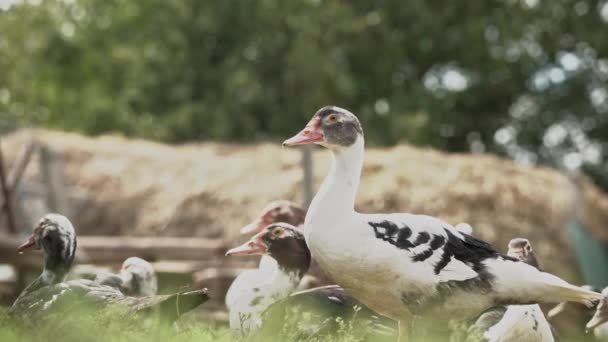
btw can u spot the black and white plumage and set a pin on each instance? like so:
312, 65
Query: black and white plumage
263, 308
422, 265
275, 212
249, 297
280, 211
55, 235
514, 323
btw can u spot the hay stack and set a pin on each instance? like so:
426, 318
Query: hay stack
138, 187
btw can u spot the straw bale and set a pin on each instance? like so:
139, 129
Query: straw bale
138, 187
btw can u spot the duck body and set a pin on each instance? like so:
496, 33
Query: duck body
521, 323
262, 308
246, 308
404, 264
421, 265
285, 260
247, 280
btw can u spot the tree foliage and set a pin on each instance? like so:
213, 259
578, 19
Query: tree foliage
527, 78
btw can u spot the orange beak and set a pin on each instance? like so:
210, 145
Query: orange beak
311, 134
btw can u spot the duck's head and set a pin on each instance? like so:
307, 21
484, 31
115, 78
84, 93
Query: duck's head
332, 127
277, 211
281, 241
521, 249
139, 278
55, 235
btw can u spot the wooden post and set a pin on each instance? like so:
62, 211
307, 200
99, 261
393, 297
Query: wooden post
6, 193
51, 175
21, 162
308, 175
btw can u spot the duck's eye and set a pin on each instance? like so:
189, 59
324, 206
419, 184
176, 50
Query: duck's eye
277, 232
333, 118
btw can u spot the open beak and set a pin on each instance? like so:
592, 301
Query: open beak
309, 135
255, 246
30, 242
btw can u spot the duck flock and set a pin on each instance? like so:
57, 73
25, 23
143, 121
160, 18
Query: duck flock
397, 276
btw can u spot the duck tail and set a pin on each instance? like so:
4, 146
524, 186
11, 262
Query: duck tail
570, 293
557, 290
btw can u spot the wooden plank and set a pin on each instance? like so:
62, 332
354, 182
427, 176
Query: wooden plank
99, 249
114, 250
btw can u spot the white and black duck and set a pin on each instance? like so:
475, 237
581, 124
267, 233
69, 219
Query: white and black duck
275, 212
264, 307
287, 212
419, 264
55, 235
514, 323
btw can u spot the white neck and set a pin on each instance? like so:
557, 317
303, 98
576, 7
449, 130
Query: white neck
281, 283
339, 189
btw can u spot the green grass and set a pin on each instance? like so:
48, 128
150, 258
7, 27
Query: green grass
106, 325
117, 325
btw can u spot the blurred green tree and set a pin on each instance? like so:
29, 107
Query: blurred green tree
523, 78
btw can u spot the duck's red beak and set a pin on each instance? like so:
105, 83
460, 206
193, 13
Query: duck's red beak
311, 134
255, 246
30, 242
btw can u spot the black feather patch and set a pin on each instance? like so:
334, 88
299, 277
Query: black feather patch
437, 242
423, 256
423, 237
446, 257
390, 232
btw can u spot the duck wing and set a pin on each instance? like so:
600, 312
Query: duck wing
448, 254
